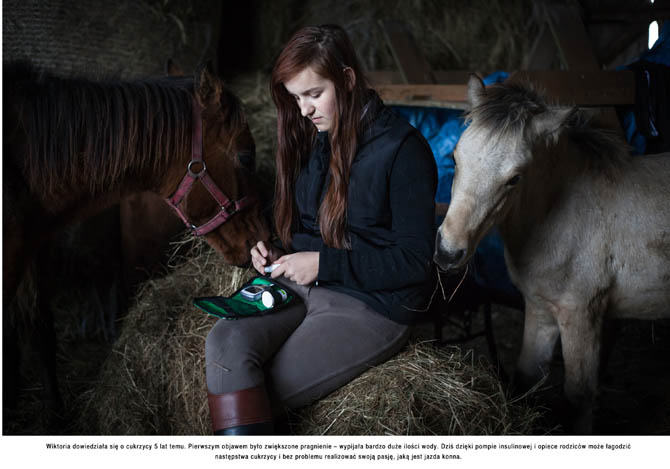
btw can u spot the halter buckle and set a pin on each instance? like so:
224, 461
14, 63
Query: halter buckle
193, 173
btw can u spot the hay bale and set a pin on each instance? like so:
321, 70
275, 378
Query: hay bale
95, 37
479, 35
424, 390
154, 380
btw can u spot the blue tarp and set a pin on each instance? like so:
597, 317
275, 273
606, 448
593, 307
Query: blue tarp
660, 54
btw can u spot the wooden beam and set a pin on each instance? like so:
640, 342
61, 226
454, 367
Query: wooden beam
441, 209
442, 77
454, 77
450, 96
413, 66
594, 88
585, 89
576, 52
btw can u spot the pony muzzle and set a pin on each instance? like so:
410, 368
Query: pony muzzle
446, 257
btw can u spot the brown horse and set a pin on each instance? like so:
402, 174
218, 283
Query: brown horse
72, 147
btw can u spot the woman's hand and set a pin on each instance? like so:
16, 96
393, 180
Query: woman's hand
300, 267
263, 255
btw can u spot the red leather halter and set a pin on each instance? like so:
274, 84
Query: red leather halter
227, 206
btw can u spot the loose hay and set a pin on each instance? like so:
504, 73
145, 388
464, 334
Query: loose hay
482, 35
424, 390
154, 382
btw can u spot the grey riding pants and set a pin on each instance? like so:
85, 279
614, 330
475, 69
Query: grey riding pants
302, 352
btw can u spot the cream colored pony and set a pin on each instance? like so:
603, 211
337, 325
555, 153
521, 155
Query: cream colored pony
586, 227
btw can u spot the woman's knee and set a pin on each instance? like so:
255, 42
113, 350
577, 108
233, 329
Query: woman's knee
230, 361
226, 341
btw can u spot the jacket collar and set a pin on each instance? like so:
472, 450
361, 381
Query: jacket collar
372, 112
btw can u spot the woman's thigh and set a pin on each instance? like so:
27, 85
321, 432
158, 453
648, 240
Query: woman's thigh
237, 350
339, 338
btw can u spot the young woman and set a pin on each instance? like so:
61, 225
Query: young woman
354, 210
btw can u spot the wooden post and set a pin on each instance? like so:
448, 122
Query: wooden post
575, 49
413, 66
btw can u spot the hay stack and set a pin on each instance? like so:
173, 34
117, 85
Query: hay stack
96, 38
424, 390
154, 383
483, 35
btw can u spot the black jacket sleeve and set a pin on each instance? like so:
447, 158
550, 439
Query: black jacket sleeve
407, 260
306, 242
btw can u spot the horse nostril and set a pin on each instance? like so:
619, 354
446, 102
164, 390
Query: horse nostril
448, 259
456, 256
445, 257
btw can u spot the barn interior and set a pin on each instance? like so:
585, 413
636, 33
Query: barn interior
130, 345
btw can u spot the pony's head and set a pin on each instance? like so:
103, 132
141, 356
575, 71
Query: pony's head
493, 159
228, 151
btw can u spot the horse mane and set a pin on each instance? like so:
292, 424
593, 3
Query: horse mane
95, 133
507, 108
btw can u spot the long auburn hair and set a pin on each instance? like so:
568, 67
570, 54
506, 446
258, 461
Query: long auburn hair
328, 50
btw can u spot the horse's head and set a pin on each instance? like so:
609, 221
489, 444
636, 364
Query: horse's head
493, 159
228, 152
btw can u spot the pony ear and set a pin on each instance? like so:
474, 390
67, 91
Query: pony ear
476, 90
208, 87
172, 69
549, 124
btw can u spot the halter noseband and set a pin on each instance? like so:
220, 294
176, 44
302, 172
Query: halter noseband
228, 207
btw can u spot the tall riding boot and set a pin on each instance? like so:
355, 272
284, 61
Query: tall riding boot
245, 412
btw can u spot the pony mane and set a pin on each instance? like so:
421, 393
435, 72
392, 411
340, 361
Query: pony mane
508, 107
95, 133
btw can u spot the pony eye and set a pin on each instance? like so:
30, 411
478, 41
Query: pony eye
513, 181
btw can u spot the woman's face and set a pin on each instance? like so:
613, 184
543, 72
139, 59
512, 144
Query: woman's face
315, 96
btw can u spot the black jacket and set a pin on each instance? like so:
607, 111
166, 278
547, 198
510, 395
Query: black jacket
390, 217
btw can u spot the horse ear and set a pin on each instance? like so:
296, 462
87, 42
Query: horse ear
172, 69
208, 87
476, 90
550, 122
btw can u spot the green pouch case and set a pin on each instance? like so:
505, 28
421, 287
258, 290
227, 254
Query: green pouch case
237, 306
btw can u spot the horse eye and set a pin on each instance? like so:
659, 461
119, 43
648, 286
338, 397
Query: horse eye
514, 181
247, 159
